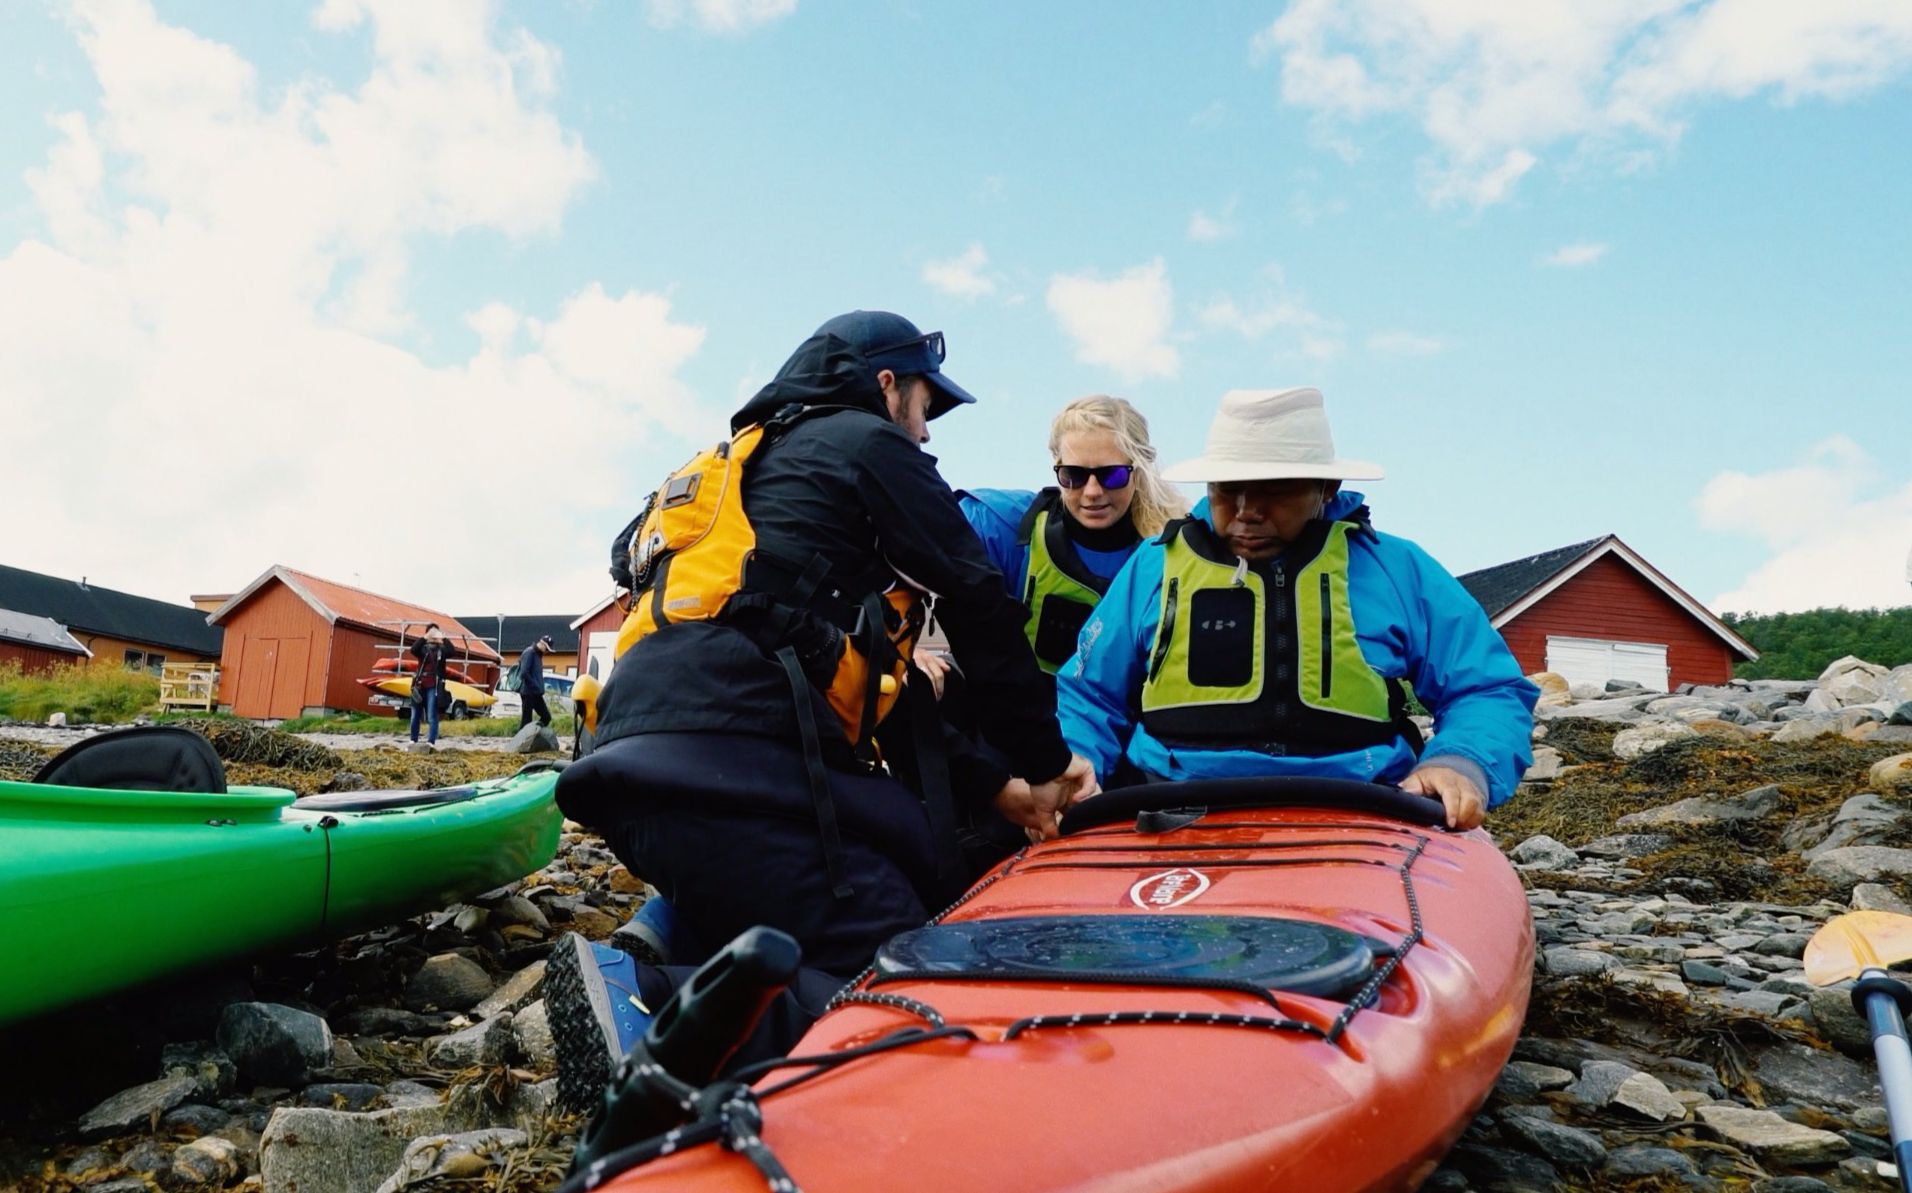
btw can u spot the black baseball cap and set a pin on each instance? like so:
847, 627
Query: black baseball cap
892, 342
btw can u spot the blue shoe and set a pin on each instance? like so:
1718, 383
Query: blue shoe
656, 935
596, 1013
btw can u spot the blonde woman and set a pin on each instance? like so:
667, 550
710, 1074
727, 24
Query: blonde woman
1059, 548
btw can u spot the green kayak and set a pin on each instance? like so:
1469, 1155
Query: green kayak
102, 889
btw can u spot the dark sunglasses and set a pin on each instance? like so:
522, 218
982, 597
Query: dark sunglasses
1109, 476
933, 341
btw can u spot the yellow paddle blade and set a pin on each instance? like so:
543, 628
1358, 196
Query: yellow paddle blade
1850, 944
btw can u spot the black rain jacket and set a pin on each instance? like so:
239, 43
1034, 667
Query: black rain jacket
852, 487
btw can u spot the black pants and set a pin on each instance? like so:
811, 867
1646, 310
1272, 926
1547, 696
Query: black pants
530, 702
725, 872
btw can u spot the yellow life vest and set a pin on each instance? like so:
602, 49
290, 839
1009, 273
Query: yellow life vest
693, 545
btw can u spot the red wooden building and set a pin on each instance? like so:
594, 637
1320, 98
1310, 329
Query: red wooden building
1596, 611
37, 644
296, 645
597, 635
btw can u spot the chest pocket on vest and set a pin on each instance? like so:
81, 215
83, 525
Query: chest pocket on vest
1221, 638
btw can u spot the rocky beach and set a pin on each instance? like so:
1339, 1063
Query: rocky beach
1678, 852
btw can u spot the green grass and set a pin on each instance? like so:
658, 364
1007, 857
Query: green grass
100, 692
562, 724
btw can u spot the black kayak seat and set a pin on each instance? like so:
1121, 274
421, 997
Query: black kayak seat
142, 758
383, 801
1299, 956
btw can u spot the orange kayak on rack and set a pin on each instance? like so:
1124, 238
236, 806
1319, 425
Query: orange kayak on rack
406, 666
1218, 985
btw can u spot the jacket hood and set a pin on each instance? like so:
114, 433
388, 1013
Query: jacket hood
825, 370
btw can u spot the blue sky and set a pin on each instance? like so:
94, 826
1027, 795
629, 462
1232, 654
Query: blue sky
427, 296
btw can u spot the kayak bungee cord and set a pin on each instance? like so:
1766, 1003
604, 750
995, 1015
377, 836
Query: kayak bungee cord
730, 1113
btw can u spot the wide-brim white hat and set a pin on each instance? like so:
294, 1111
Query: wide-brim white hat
1271, 434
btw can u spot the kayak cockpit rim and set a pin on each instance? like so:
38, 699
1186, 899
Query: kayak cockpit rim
1196, 796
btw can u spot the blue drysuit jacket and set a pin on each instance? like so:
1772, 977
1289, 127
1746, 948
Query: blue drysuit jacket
1413, 621
997, 516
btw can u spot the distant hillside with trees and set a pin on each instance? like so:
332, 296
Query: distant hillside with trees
1799, 645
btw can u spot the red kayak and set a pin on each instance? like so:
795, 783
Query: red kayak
405, 666
1217, 985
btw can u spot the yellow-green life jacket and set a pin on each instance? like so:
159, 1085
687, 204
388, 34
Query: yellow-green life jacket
1264, 656
1058, 588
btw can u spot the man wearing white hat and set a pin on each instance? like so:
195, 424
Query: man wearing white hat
1271, 633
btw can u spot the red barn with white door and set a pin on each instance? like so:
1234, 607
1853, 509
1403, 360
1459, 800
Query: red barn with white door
296, 645
597, 635
1596, 611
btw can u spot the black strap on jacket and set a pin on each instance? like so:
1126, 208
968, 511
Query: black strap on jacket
820, 798
932, 773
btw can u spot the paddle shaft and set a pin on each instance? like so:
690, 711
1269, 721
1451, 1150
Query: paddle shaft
1890, 1048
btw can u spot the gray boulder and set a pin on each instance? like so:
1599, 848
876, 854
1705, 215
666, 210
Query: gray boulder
306, 1150
464, 1156
1808, 728
273, 1044
534, 739
448, 982
1862, 820
1701, 811
136, 1107
1854, 864
1641, 740
1543, 853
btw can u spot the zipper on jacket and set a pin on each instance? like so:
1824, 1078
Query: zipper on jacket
1167, 634
1327, 637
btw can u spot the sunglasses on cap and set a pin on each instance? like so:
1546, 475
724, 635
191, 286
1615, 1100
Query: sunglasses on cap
932, 342
1109, 476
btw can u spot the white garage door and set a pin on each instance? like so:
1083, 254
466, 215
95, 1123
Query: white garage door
1595, 661
599, 652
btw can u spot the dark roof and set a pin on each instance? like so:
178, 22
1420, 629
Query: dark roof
1501, 585
521, 630
90, 609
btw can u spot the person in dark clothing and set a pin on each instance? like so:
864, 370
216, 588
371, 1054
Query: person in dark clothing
428, 683
701, 781
531, 683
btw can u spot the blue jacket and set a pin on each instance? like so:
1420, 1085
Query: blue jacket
1413, 621
997, 517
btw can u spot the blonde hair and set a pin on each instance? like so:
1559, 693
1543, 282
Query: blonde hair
1154, 503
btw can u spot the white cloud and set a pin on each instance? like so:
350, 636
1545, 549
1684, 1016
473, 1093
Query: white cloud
1309, 333
717, 16
1206, 228
205, 329
1495, 86
1572, 256
1405, 343
1212, 116
961, 276
1120, 323
1838, 532
1260, 318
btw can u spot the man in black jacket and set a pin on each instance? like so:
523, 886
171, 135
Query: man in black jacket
699, 780
691, 705
531, 683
